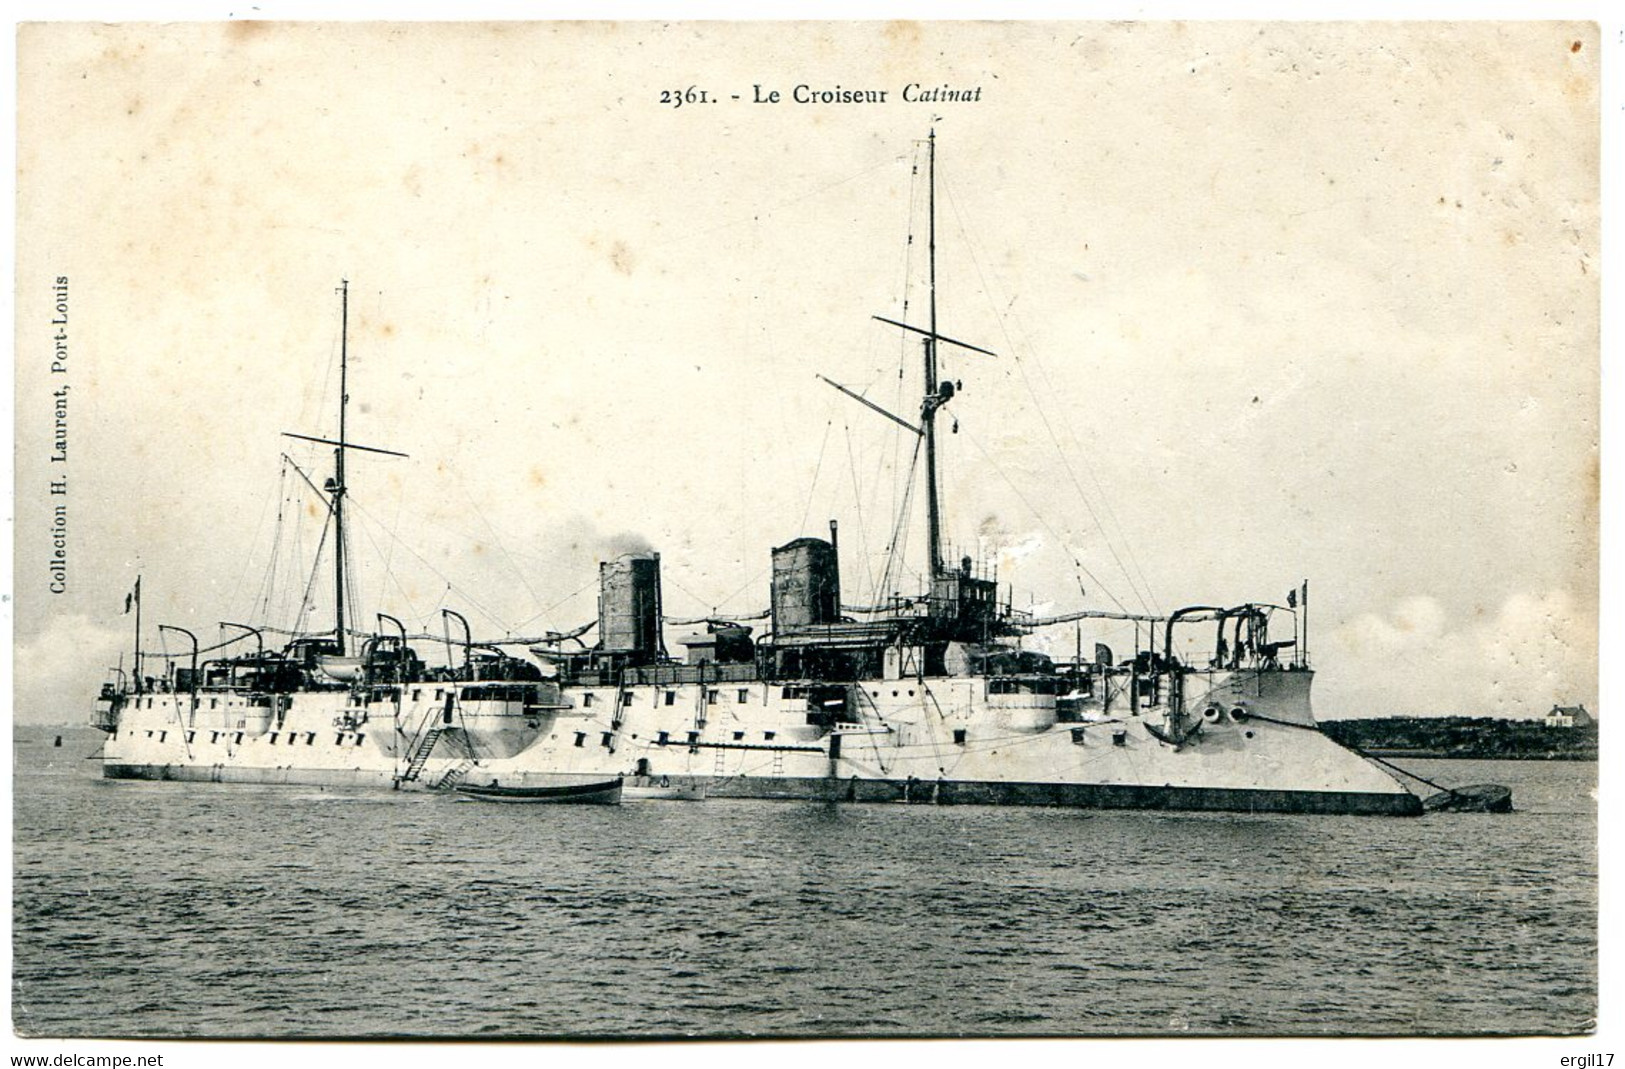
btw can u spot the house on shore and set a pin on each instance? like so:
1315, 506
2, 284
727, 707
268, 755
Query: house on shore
1569, 716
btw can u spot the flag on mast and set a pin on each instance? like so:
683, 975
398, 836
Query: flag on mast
133, 597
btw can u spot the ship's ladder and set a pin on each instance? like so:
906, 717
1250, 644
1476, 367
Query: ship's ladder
778, 762
722, 761
420, 756
622, 699
455, 776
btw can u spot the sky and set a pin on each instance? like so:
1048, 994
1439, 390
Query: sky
1271, 303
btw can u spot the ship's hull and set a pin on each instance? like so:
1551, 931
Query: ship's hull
949, 741
944, 792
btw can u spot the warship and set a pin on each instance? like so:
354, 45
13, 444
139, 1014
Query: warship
930, 697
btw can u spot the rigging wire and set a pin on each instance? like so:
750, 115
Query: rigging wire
268, 580
1042, 519
1094, 479
290, 590
899, 539
812, 488
745, 586
389, 572
259, 526
450, 586
569, 597
857, 504
1040, 410
667, 575
306, 604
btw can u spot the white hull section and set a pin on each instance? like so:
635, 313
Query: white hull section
939, 739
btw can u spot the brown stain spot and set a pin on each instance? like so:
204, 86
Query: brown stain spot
1593, 485
387, 330
902, 34
620, 257
536, 477
241, 31
310, 510
133, 106
1575, 47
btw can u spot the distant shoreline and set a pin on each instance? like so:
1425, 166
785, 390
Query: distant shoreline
1465, 738
1441, 755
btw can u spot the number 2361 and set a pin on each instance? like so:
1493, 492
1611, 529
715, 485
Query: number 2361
678, 97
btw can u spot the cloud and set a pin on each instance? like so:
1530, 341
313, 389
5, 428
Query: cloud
1535, 651
59, 670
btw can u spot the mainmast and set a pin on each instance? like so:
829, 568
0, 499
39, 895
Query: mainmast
338, 465
937, 393
928, 415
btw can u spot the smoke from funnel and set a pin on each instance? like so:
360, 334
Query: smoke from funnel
619, 545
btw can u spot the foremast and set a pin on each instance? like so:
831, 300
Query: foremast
336, 487
928, 410
961, 605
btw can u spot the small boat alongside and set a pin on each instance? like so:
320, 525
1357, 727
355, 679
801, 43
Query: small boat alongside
1478, 798
607, 792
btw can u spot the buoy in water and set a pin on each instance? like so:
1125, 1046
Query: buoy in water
58, 741
1479, 798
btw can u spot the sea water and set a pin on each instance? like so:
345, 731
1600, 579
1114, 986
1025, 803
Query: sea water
188, 909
